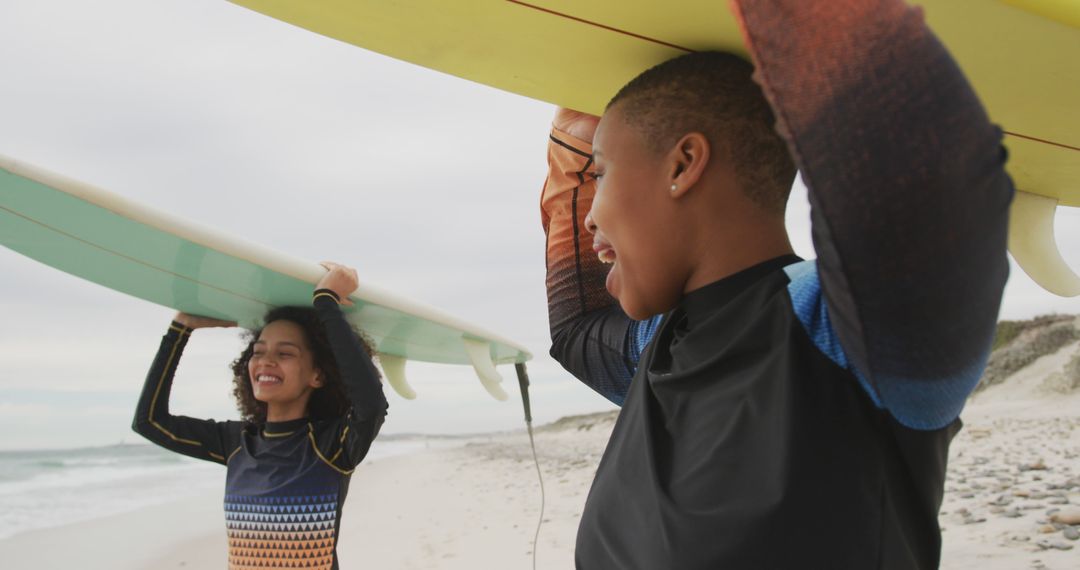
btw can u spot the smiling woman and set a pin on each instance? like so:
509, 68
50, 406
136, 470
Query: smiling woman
286, 349
312, 404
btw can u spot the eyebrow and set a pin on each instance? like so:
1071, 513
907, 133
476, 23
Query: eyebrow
282, 342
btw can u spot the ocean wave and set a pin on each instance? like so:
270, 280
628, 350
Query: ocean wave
75, 477
44, 489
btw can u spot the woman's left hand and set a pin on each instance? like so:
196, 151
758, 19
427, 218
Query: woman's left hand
340, 279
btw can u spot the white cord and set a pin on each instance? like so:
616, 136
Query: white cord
539, 476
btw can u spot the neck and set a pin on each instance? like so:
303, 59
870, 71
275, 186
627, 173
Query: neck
736, 247
283, 412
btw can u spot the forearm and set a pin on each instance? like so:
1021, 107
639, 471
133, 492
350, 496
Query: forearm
906, 177
358, 372
152, 410
575, 276
197, 438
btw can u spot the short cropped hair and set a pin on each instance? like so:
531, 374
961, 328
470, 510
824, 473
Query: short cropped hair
713, 93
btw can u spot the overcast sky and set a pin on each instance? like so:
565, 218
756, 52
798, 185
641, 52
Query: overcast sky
428, 184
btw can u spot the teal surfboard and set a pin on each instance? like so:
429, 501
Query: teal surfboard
112, 241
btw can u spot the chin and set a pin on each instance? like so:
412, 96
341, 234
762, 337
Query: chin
642, 307
262, 397
634, 309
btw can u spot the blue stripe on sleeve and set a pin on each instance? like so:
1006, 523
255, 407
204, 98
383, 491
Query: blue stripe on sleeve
809, 305
923, 404
931, 404
641, 333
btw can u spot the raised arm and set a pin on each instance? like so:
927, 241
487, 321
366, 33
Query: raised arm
591, 336
201, 439
358, 372
908, 191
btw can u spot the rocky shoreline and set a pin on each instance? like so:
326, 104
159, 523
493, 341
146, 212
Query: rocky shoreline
1017, 479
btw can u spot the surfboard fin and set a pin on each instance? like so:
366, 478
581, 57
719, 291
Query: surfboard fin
394, 369
1032, 244
480, 355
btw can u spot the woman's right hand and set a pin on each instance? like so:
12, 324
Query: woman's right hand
575, 123
197, 322
341, 279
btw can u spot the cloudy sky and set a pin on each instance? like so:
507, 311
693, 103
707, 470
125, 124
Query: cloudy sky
426, 183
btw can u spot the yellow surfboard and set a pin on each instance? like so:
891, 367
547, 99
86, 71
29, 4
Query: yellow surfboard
1023, 57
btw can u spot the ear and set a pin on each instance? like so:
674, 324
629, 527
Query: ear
688, 159
317, 380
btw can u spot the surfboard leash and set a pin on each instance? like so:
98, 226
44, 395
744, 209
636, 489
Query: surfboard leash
523, 384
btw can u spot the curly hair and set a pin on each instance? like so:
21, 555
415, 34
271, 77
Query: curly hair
328, 401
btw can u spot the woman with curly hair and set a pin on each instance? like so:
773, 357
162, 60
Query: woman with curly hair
311, 403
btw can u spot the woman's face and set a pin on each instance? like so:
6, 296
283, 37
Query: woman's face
282, 367
634, 220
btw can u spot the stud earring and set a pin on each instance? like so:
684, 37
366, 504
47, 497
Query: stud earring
674, 187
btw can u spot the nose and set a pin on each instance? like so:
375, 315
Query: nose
265, 359
590, 225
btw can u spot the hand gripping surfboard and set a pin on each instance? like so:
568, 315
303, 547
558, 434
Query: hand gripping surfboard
1021, 56
110, 240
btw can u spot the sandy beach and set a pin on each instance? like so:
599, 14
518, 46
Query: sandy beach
473, 505
1014, 474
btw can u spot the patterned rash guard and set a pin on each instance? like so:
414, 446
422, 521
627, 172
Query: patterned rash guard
286, 482
797, 414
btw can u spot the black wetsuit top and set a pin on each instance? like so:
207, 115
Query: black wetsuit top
286, 481
797, 414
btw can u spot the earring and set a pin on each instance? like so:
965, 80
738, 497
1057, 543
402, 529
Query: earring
674, 187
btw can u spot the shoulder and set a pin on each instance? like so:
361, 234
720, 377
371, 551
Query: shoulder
808, 304
916, 403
